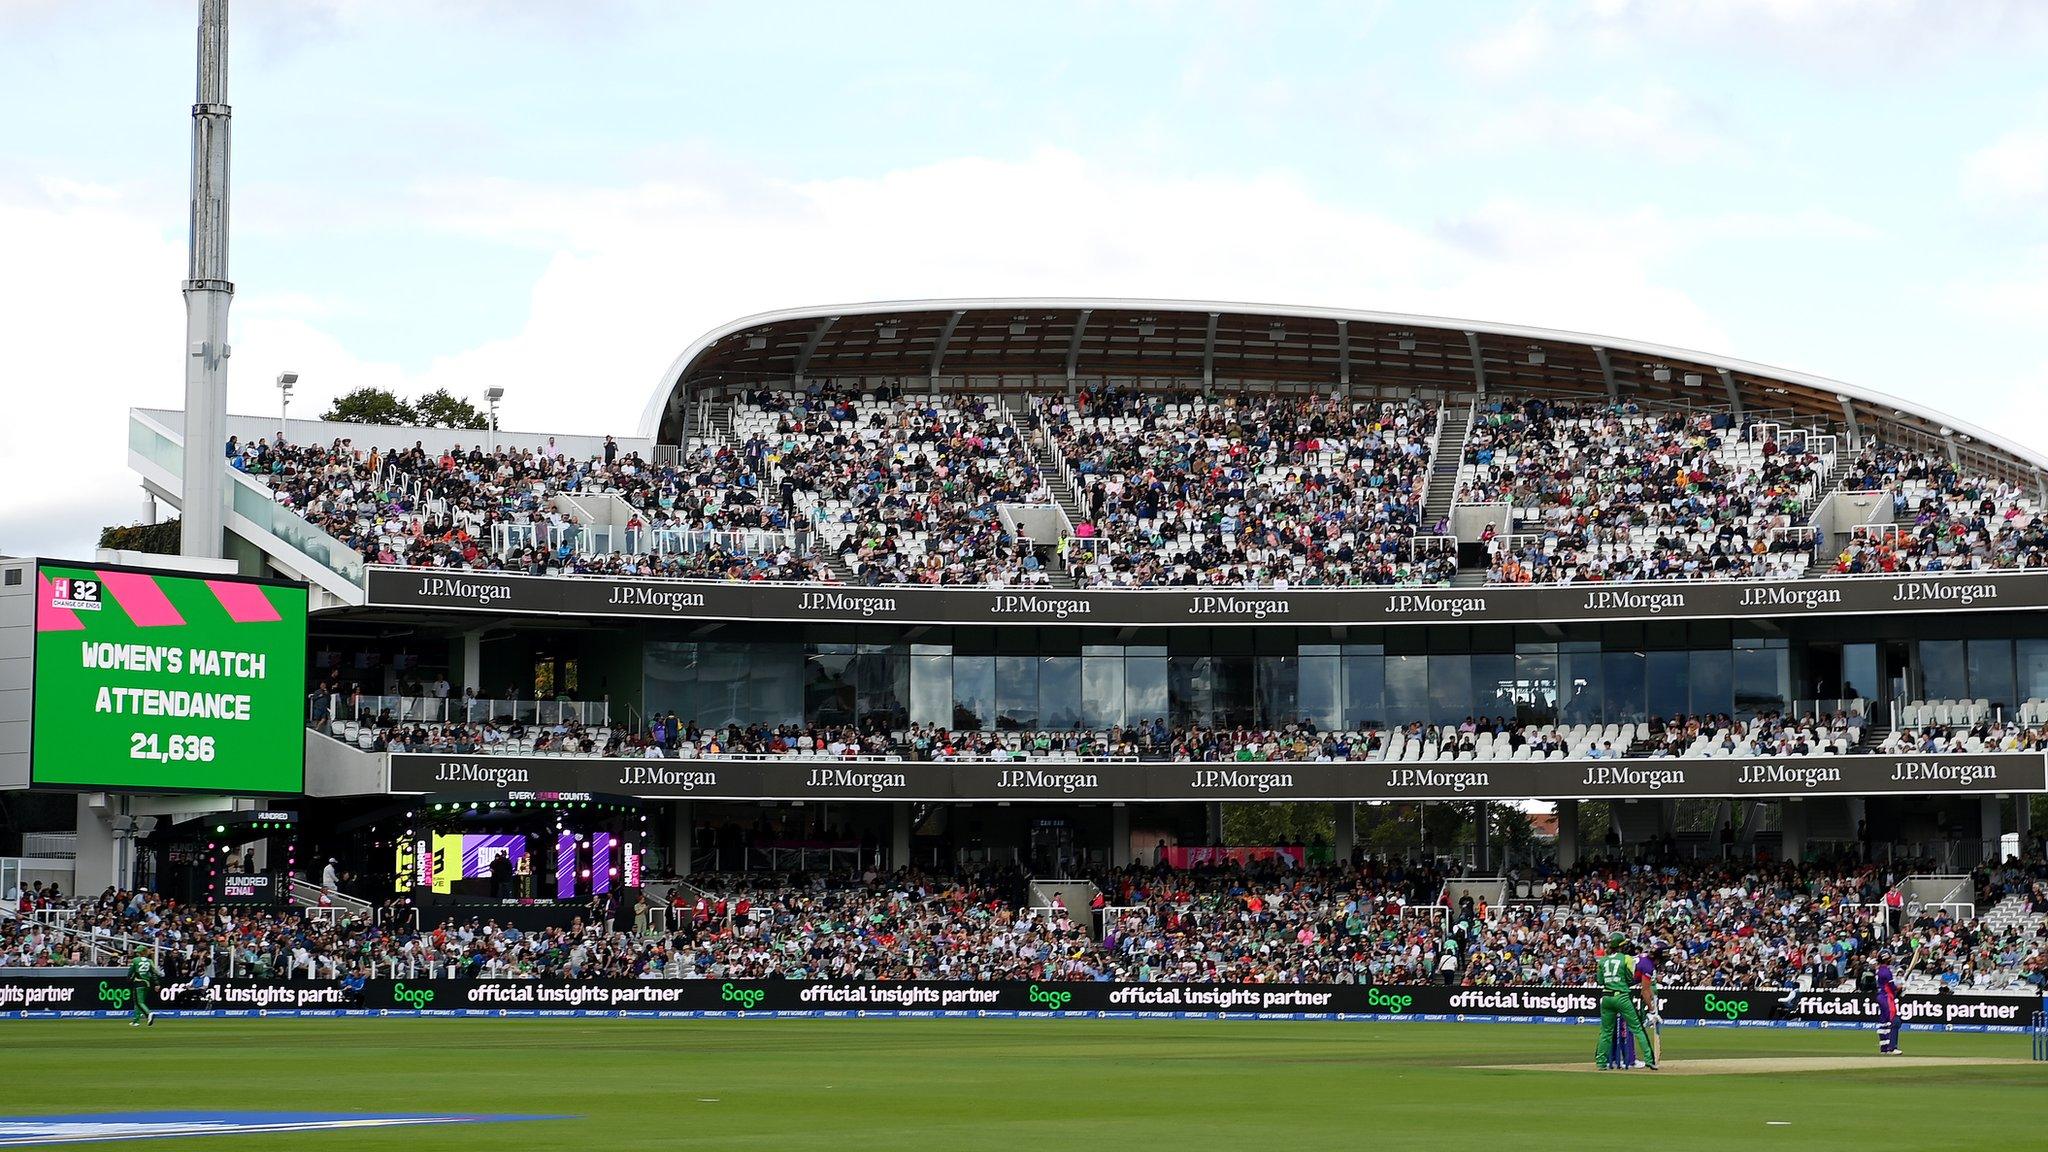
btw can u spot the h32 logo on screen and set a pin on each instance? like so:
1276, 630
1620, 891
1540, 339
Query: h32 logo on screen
75, 594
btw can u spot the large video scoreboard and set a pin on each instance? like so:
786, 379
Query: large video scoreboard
148, 680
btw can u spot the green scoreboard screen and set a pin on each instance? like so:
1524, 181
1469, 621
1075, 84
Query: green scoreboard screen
161, 681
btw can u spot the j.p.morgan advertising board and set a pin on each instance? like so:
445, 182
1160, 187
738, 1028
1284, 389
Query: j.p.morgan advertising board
518, 777
683, 600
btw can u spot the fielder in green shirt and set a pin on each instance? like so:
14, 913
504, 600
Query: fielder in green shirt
1616, 975
143, 975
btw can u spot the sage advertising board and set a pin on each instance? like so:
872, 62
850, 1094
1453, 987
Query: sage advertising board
1737, 1007
158, 681
536, 777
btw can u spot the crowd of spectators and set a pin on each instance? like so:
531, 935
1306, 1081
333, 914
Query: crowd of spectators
1986, 735
904, 488
660, 737
1942, 520
499, 510
1610, 492
1480, 738
1173, 489
1717, 924
1247, 491
1767, 734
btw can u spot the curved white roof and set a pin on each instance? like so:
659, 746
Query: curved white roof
814, 316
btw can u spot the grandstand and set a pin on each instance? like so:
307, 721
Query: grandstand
1133, 445
1043, 584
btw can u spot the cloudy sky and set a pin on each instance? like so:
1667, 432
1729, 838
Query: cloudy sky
558, 197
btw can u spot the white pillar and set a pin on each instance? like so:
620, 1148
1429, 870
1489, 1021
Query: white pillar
208, 292
899, 834
96, 867
1567, 833
1346, 839
473, 660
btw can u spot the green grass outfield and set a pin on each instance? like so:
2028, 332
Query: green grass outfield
1011, 1084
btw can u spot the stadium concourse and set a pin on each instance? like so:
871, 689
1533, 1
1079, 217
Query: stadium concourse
1818, 926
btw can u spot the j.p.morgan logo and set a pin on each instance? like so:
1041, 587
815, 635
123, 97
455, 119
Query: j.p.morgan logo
877, 782
472, 772
1803, 775
1029, 779
1226, 780
454, 588
1941, 591
1256, 608
1057, 607
654, 775
1432, 779
1422, 604
1622, 776
1784, 596
654, 596
1623, 600
1938, 772
841, 604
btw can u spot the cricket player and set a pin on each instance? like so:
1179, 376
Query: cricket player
1888, 1020
1616, 976
143, 975
1645, 990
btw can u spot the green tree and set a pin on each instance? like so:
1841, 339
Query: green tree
370, 406
159, 539
1514, 840
1263, 825
439, 409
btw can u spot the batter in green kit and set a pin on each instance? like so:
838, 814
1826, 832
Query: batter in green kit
1616, 974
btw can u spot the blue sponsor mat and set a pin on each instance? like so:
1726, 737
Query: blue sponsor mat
113, 1127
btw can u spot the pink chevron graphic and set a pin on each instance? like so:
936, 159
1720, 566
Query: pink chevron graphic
141, 598
50, 618
245, 603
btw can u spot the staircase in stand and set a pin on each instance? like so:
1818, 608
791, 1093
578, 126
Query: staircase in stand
1050, 467
721, 424
1444, 461
841, 571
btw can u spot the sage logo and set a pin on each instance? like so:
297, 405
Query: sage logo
1715, 1006
1050, 997
744, 997
417, 998
1392, 1001
114, 994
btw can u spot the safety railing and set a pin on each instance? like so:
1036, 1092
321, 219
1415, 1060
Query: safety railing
461, 710
250, 500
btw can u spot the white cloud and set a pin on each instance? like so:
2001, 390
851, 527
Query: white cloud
2010, 173
1654, 121
1512, 49
635, 273
1815, 33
